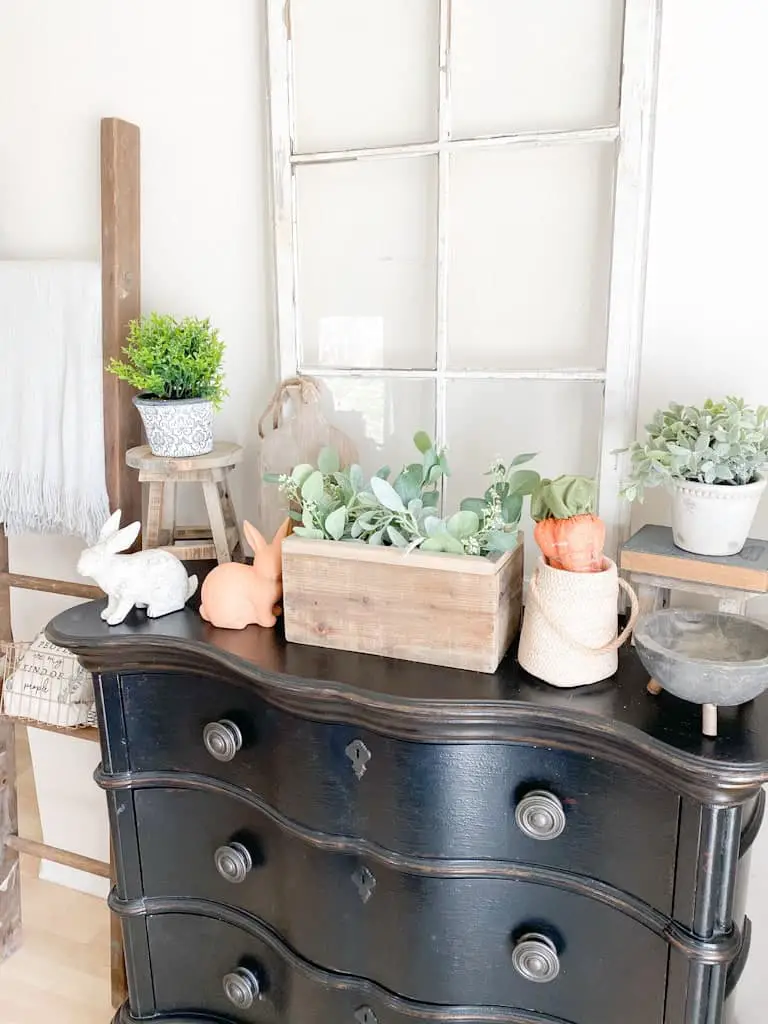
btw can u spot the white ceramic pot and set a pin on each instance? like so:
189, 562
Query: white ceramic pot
713, 519
177, 429
570, 625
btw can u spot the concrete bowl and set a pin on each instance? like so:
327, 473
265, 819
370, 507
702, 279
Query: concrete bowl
704, 657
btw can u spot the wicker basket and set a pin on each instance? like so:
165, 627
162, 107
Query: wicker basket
45, 684
569, 635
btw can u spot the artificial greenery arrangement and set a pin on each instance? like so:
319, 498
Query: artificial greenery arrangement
570, 535
173, 359
335, 503
723, 442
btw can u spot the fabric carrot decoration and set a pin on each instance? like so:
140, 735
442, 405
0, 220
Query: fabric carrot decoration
570, 535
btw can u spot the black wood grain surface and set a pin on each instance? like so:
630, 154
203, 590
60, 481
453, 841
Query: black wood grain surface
192, 953
658, 736
392, 885
432, 800
354, 914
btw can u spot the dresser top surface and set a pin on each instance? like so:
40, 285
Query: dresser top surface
427, 703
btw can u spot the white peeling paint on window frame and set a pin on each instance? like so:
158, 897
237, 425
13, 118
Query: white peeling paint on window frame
633, 139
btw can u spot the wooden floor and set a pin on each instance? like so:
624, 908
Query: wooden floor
61, 973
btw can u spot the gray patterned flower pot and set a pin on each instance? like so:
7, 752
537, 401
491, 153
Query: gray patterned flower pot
179, 428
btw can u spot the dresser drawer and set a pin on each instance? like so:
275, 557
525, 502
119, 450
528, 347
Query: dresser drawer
427, 800
610, 970
429, 937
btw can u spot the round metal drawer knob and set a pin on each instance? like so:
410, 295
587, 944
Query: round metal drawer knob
233, 862
241, 988
222, 739
535, 958
540, 815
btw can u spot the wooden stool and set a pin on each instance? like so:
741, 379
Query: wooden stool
656, 567
221, 539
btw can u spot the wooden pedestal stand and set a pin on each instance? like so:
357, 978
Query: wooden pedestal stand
220, 539
657, 569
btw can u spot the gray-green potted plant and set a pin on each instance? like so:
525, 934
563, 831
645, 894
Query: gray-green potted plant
711, 459
176, 366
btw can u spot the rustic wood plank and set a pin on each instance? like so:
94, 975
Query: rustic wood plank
86, 732
361, 552
225, 455
440, 609
6, 632
191, 476
695, 572
687, 587
168, 522
58, 856
653, 552
200, 551
192, 533
218, 525
234, 534
510, 602
150, 534
121, 301
10, 875
67, 588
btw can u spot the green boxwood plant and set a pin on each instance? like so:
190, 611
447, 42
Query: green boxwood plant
173, 359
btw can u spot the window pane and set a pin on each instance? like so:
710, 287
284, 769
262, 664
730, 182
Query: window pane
366, 72
367, 252
488, 419
529, 257
526, 65
381, 416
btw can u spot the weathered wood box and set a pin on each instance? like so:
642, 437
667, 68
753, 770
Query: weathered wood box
442, 609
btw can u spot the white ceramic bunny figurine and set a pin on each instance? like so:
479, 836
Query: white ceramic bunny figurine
151, 579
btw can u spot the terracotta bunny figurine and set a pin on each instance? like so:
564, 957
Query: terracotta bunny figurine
151, 579
234, 595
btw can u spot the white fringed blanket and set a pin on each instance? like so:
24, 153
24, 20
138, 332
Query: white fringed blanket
52, 477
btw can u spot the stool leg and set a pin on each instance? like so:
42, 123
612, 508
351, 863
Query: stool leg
650, 599
10, 878
230, 516
216, 519
709, 719
169, 503
151, 534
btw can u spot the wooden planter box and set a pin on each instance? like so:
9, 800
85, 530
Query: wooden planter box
453, 610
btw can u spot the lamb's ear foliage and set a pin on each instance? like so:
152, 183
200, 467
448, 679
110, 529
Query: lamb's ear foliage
722, 442
336, 503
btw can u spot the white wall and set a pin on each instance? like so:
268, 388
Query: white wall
191, 73
706, 329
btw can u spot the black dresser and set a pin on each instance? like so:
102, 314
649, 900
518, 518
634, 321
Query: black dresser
306, 836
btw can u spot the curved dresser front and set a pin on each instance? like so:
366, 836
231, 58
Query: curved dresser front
304, 836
